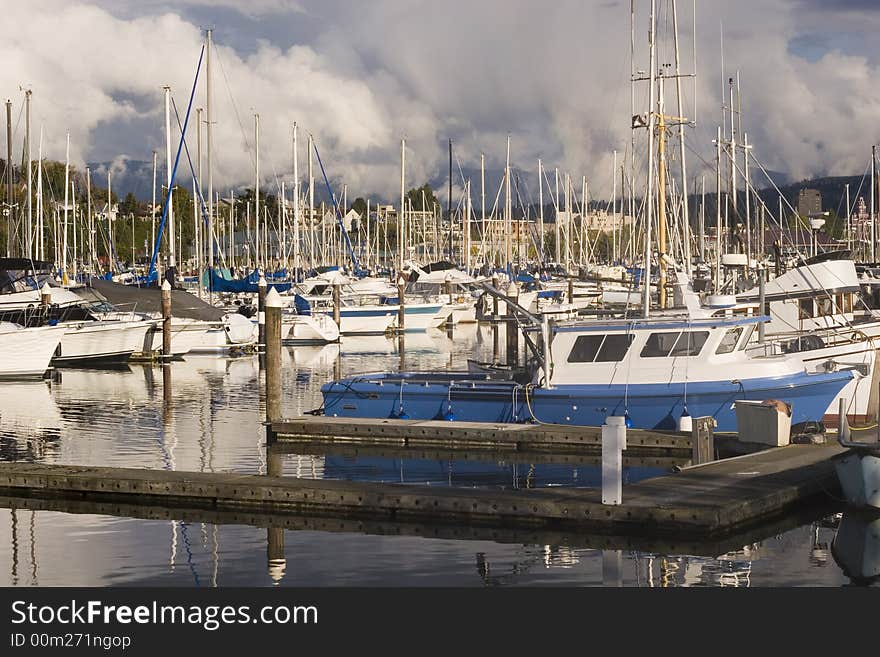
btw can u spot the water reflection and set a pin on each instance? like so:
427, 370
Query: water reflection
856, 546
204, 414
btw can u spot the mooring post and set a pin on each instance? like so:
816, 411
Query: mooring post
450, 320
761, 297
703, 440
494, 298
570, 289
166, 320
46, 295
273, 362
613, 444
511, 327
337, 311
401, 300
545, 346
261, 313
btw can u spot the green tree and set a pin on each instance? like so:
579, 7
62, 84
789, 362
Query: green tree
422, 198
360, 206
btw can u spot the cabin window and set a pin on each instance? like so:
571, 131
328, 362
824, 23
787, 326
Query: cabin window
614, 348
805, 308
749, 331
585, 348
600, 348
847, 303
824, 306
659, 344
728, 342
690, 343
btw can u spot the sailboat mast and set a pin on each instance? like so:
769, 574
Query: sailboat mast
681, 150
89, 213
66, 201
649, 197
9, 188
718, 236
295, 207
152, 207
257, 184
661, 195
172, 258
541, 207
449, 207
209, 139
402, 214
29, 242
507, 210
42, 236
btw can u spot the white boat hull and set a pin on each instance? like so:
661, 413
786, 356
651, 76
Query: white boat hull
26, 353
101, 341
308, 329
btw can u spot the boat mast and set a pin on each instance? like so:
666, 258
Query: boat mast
257, 186
42, 236
681, 154
209, 139
541, 207
9, 188
402, 214
197, 192
449, 207
91, 218
507, 210
29, 242
661, 195
649, 197
152, 207
295, 208
718, 237
171, 274
66, 200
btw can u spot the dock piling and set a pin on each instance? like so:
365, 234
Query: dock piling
703, 440
511, 327
401, 310
273, 360
613, 444
166, 320
46, 295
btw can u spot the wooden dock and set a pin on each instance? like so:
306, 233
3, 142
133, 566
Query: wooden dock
471, 435
696, 503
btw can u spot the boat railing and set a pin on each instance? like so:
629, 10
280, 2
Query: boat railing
844, 434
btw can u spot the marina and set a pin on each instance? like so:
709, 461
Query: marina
358, 335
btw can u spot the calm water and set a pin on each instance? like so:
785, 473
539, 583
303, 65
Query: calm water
212, 424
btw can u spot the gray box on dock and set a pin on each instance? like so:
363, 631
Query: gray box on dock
766, 422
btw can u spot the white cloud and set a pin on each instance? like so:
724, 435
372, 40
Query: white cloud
554, 76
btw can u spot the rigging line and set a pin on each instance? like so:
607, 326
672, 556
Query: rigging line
203, 207
165, 205
249, 150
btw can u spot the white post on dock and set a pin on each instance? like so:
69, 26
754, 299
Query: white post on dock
545, 338
613, 444
46, 295
261, 313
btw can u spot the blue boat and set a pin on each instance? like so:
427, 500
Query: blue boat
651, 371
